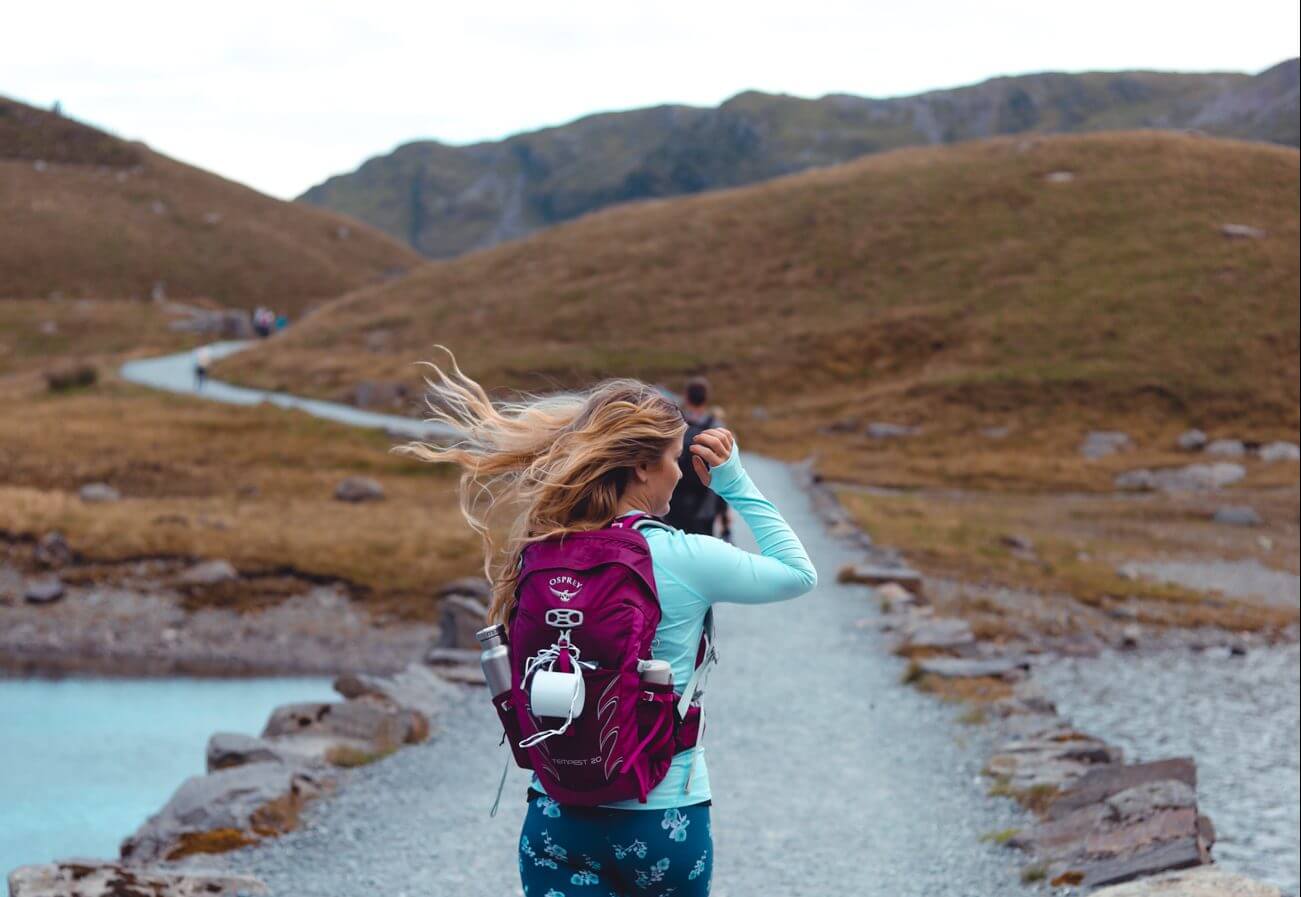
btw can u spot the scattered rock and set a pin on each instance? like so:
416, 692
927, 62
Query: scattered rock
230, 749
1059, 177
415, 688
53, 551
1102, 783
71, 377
1242, 232
883, 430
873, 575
996, 432
375, 724
43, 590
894, 597
1159, 857
1232, 448
97, 878
1237, 515
462, 617
1203, 881
943, 633
357, 489
1100, 443
1192, 478
1131, 636
207, 573
1280, 451
98, 492
225, 809
1009, 668
1147, 798
1191, 440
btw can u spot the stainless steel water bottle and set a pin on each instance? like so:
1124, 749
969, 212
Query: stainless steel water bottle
495, 658
655, 672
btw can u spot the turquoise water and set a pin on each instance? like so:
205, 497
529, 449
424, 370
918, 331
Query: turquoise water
84, 761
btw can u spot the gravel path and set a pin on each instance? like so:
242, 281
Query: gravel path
829, 777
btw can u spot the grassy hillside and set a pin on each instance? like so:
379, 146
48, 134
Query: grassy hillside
954, 289
84, 214
446, 200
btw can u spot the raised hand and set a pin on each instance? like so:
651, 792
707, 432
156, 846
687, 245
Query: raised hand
710, 449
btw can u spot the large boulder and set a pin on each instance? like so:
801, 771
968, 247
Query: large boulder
96, 878
224, 810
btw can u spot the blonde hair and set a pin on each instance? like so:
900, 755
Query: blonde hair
540, 466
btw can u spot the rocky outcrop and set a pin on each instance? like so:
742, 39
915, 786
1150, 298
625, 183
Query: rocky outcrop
95, 878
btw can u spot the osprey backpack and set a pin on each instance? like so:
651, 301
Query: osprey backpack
587, 606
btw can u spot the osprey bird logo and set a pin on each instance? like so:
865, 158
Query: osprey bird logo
564, 594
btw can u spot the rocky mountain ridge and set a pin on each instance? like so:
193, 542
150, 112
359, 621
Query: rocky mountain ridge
445, 200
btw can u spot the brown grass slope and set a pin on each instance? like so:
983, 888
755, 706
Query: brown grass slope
952, 288
84, 214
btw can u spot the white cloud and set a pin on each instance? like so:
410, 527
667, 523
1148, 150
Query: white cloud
280, 95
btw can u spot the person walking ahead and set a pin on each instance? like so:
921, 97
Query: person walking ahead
542, 468
695, 508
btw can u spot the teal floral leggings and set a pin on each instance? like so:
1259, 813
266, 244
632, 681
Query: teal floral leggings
580, 851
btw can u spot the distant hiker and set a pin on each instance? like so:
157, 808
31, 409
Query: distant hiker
606, 617
696, 509
263, 321
202, 360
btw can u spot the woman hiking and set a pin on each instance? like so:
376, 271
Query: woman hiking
596, 466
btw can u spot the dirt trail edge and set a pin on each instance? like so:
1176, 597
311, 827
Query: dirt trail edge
829, 777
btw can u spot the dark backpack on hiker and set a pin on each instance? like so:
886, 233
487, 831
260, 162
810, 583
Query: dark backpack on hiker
588, 605
694, 505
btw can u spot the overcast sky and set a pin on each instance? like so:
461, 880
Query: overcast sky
280, 94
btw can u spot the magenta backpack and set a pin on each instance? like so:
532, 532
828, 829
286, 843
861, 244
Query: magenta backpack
588, 604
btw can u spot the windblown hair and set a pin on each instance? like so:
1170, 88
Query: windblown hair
540, 467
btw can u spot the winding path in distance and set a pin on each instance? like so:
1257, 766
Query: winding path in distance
829, 777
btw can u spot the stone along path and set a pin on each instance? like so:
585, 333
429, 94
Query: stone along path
829, 777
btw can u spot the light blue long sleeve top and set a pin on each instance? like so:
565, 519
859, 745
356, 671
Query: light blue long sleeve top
694, 572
